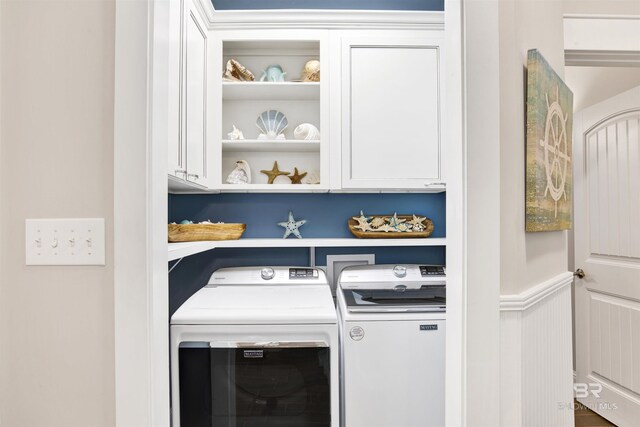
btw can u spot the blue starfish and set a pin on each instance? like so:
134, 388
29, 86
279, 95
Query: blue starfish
292, 226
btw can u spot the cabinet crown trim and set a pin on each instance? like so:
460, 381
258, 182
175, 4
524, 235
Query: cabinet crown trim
345, 19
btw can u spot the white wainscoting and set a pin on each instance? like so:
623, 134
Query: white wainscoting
536, 373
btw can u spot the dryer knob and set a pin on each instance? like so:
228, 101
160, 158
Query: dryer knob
399, 271
267, 273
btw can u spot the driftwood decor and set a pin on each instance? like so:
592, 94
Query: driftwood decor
390, 226
207, 231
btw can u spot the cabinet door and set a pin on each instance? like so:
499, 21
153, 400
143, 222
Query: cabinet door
177, 153
196, 50
391, 133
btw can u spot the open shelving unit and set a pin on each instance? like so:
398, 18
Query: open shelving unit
242, 102
181, 250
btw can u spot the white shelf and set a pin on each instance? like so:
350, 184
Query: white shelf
270, 146
273, 188
180, 250
271, 90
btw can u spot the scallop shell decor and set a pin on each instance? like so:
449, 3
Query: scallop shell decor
311, 71
271, 124
307, 132
235, 71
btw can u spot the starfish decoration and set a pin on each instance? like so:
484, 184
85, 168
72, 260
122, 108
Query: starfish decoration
386, 228
274, 173
394, 221
363, 222
296, 178
417, 220
292, 226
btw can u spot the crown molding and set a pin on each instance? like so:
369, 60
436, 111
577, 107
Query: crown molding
340, 19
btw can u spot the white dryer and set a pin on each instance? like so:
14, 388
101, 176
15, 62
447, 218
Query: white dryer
392, 336
256, 347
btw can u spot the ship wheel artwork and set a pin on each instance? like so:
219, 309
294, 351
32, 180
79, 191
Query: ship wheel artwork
556, 151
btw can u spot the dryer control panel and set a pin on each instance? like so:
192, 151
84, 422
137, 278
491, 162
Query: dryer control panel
432, 270
303, 273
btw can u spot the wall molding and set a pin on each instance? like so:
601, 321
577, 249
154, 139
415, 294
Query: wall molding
310, 19
585, 46
526, 299
536, 355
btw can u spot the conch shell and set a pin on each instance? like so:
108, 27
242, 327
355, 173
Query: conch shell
311, 71
306, 131
235, 71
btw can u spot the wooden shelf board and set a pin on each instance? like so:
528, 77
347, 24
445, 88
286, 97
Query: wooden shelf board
270, 146
180, 250
271, 90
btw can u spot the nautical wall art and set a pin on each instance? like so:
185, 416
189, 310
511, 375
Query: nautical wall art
549, 184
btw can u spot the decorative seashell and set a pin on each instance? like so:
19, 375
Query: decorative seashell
235, 71
235, 134
311, 71
312, 178
241, 174
272, 123
378, 222
402, 227
273, 73
307, 132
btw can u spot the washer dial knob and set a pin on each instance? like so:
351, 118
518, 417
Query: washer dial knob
399, 271
267, 273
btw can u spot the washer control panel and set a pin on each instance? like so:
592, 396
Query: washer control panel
432, 270
303, 273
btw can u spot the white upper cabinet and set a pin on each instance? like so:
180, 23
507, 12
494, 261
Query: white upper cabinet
190, 162
177, 149
391, 93
290, 100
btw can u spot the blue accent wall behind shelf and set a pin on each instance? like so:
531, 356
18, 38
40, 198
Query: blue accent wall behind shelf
327, 216
326, 213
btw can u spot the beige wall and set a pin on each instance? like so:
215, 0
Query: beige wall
591, 85
56, 141
526, 258
603, 7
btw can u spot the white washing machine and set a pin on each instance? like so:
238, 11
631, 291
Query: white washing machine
392, 337
256, 347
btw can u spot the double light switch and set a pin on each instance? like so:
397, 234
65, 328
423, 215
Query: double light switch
70, 241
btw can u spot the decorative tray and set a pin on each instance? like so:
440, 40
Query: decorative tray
199, 232
390, 226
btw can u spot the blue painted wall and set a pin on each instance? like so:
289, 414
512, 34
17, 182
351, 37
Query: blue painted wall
329, 4
326, 214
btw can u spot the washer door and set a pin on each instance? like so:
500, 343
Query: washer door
264, 386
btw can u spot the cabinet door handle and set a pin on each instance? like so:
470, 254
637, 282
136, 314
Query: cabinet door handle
193, 175
435, 184
180, 172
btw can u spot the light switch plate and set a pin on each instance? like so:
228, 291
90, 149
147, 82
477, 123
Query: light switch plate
68, 241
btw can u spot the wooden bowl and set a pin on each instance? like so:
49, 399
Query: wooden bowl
200, 232
428, 230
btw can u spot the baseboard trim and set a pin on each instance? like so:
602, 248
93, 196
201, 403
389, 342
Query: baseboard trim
524, 300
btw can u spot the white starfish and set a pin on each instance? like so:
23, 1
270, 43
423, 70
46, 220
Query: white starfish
363, 222
417, 220
386, 228
291, 226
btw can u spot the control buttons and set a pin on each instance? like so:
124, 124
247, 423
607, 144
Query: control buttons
267, 273
399, 271
303, 273
431, 270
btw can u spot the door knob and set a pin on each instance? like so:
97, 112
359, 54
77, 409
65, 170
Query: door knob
580, 273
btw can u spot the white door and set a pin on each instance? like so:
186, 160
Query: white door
177, 154
607, 248
391, 110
